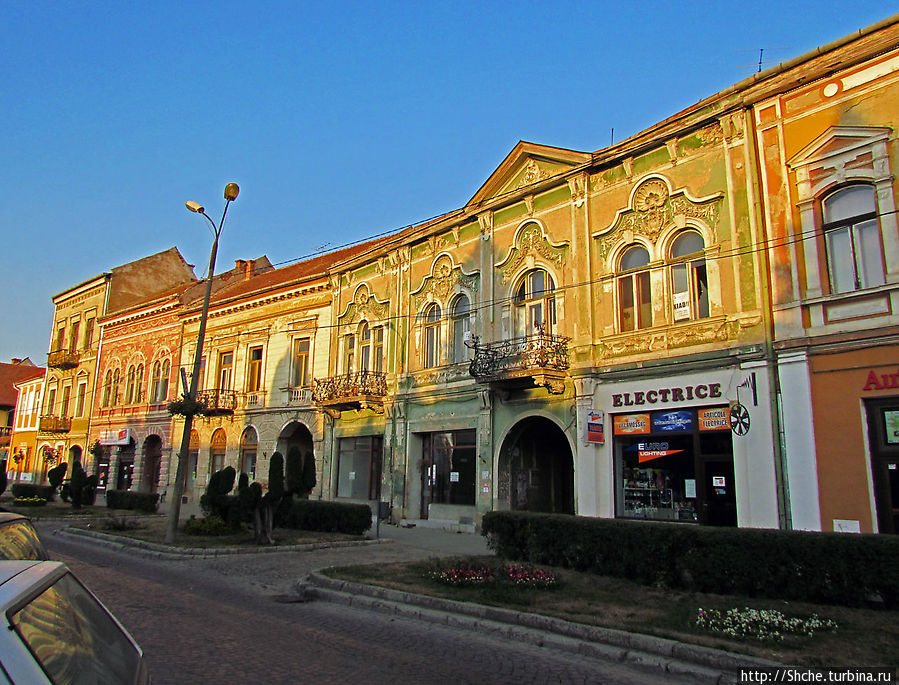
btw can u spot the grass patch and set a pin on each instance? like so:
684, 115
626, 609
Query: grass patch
863, 636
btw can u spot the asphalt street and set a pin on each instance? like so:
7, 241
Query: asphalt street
224, 619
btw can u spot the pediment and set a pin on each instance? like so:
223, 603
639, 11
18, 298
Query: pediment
527, 164
838, 140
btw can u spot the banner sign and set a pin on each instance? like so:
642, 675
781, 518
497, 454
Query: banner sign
715, 419
595, 427
647, 451
672, 422
121, 436
631, 424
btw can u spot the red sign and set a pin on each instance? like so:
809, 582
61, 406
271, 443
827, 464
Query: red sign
714, 419
631, 424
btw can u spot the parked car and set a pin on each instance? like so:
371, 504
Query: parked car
59, 632
18, 538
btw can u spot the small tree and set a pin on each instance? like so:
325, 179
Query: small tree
77, 484
307, 483
294, 471
264, 510
216, 501
56, 476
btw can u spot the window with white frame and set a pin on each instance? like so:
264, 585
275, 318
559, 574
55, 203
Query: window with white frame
51, 402
430, 320
634, 290
371, 347
852, 239
349, 352
226, 370
689, 279
300, 377
66, 397
461, 324
535, 303
79, 398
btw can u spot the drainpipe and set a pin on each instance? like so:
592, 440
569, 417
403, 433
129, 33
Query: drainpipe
785, 518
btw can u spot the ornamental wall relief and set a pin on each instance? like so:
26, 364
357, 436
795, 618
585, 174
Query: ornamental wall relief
444, 279
530, 241
364, 307
654, 207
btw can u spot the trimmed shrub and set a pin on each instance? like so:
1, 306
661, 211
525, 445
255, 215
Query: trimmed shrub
831, 568
329, 517
138, 501
32, 490
307, 481
216, 501
276, 476
293, 470
211, 525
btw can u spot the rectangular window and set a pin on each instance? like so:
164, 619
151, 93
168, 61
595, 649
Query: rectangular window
73, 336
88, 332
61, 338
254, 370
226, 363
300, 363
378, 349
359, 467
349, 352
432, 345
448, 468
51, 402
79, 399
66, 394
690, 290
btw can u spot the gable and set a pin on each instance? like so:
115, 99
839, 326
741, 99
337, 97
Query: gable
838, 140
528, 164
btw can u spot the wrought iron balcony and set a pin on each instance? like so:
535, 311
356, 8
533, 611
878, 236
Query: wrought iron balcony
63, 359
351, 391
218, 402
529, 361
55, 424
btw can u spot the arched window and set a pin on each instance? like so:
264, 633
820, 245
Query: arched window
852, 234
248, 442
634, 292
139, 383
430, 319
129, 385
116, 380
535, 303
461, 323
365, 346
689, 280
218, 447
159, 383
107, 389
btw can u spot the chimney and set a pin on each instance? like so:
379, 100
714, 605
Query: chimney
247, 266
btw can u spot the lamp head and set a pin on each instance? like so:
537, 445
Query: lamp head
231, 191
194, 206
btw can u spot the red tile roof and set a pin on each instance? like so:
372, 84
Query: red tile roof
11, 374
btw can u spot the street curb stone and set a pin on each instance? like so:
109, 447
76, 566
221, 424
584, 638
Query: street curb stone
152, 549
660, 654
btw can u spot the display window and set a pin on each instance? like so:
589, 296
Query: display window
359, 467
448, 468
675, 465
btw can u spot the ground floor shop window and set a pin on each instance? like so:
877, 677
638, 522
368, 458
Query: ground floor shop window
359, 467
448, 468
675, 466
883, 434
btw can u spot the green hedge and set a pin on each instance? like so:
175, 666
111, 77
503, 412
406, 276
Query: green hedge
126, 499
833, 568
336, 517
29, 490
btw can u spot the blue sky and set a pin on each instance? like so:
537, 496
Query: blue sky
339, 120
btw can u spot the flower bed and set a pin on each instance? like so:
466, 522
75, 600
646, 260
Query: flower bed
29, 502
765, 625
515, 574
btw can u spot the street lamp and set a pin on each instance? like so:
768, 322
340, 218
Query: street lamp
231, 191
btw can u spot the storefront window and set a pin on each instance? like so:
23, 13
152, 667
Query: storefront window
448, 468
359, 467
675, 465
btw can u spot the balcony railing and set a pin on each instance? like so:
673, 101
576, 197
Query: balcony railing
533, 360
55, 424
218, 402
299, 396
254, 399
63, 359
351, 391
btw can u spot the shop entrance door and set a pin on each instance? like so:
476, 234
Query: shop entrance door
719, 501
883, 434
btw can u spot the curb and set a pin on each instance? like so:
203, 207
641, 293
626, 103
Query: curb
154, 550
703, 664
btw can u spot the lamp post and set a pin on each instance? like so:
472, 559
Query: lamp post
231, 191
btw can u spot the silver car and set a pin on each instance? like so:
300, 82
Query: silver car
59, 632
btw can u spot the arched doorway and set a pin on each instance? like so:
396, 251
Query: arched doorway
125, 466
152, 461
296, 436
536, 469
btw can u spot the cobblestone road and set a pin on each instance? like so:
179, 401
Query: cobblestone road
219, 620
